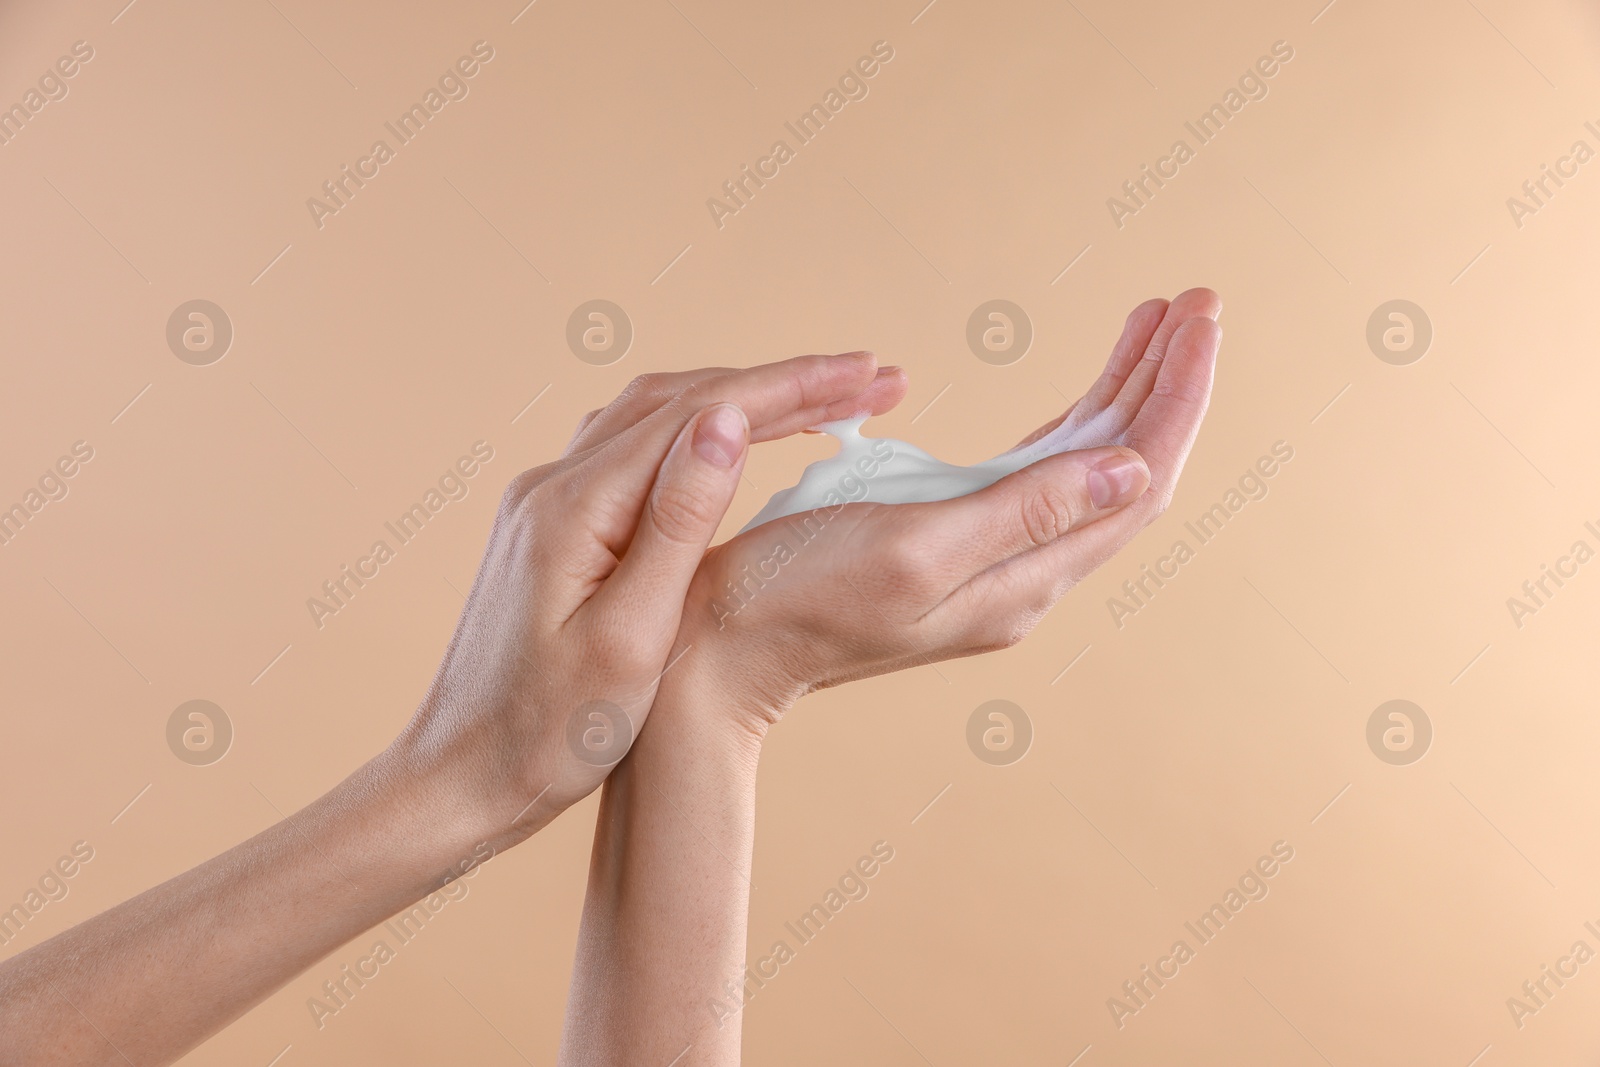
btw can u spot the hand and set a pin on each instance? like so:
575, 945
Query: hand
567, 630
811, 601
578, 600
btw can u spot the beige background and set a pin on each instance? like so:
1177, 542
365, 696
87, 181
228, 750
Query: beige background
1222, 718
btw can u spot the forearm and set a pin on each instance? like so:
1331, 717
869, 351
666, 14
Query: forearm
158, 974
663, 933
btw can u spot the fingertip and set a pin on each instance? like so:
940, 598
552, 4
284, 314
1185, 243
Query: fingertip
1201, 301
1117, 480
887, 388
1202, 331
1156, 306
721, 434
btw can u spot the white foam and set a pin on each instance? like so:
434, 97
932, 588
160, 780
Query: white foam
887, 471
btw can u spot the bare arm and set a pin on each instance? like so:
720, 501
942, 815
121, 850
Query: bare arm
150, 978
575, 608
866, 589
661, 950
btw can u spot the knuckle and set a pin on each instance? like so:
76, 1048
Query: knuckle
546, 490
998, 636
681, 514
1011, 630
522, 512
1160, 501
1184, 391
643, 386
910, 561
512, 496
522, 487
677, 402
1047, 514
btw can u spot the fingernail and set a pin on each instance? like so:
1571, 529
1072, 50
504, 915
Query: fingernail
891, 369
1115, 482
721, 434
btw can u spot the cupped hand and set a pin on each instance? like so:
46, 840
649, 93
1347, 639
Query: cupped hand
836, 594
571, 619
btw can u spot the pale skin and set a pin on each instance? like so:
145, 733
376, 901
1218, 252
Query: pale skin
594, 596
881, 589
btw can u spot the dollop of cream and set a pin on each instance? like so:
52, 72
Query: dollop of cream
887, 471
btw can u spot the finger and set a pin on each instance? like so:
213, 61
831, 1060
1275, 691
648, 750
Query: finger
1169, 421
1018, 591
1163, 434
1034, 507
1121, 412
887, 389
692, 491
648, 393
1137, 331
639, 398
613, 479
806, 386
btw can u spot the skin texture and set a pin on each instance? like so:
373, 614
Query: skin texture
576, 605
662, 950
598, 600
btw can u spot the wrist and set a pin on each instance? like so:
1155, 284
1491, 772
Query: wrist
735, 688
448, 817
737, 663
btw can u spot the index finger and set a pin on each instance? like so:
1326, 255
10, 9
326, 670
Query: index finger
1163, 434
1165, 429
650, 392
616, 474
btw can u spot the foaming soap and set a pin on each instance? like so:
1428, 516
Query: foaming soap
886, 471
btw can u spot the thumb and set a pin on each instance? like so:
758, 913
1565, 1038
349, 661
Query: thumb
1038, 504
691, 494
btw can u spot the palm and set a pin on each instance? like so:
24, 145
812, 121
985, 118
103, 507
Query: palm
855, 584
